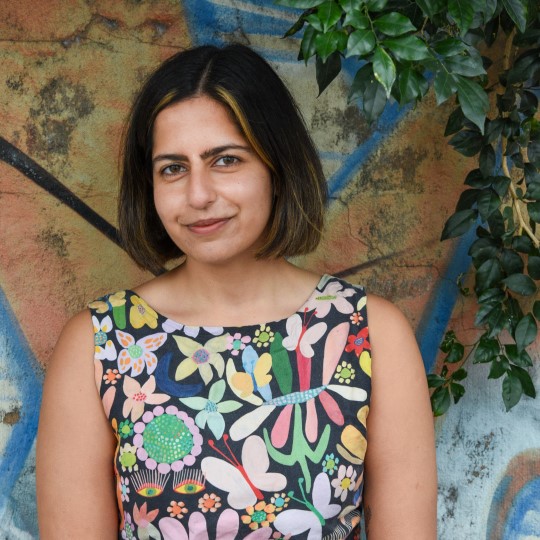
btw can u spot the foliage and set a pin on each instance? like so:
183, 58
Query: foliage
403, 46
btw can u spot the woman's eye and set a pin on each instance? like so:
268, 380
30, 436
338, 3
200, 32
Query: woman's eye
227, 161
173, 169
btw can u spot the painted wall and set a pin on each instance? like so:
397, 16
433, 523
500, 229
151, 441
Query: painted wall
69, 71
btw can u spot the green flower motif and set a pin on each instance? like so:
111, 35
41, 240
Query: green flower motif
330, 464
125, 429
211, 409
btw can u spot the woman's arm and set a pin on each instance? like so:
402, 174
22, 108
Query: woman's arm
75, 448
401, 479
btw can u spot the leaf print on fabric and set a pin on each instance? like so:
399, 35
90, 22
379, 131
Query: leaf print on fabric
171, 326
115, 303
167, 439
212, 409
201, 357
365, 362
104, 347
144, 519
333, 295
137, 396
141, 314
295, 521
197, 528
244, 480
137, 355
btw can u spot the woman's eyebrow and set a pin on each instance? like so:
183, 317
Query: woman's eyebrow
205, 155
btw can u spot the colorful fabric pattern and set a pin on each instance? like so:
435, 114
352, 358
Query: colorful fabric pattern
252, 432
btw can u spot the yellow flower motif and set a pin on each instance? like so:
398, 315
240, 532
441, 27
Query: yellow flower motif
263, 336
345, 373
260, 515
115, 300
141, 313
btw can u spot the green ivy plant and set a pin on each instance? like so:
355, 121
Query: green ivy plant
402, 47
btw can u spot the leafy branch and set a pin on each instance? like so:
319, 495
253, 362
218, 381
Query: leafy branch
402, 47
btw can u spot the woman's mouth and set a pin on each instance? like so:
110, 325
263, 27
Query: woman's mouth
207, 226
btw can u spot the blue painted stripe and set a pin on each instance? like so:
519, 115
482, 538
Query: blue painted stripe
524, 514
27, 375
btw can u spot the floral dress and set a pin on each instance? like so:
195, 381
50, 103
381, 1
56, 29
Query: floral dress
252, 432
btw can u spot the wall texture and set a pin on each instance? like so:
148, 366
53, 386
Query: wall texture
69, 71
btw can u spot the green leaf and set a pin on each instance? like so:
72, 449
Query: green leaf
486, 351
449, 46
496, 224
526, 332
307, 46
467, 199
511, 391
454, 123
459, 375
440, 400
517, 10
488, 274
360, 43
412, 85
475, 178
431, 7
327, 71
534, 211
445, 85
488, 202
467, 142
459, 223
523, 244
376, 5
521, 359
498, 368
456, 353
296, 27
356, 19
349, 5
491, 296
511, 262
361, 81
473, 100
300, 4
533, 191
407, 48
329, 43
536, 310
457, 391
384, 69
521, 284
435, 381
525, 380
329, 14
533, 266
487, 160
447, 342
394, 24
500, 184
465, 65
374, 100
496, 321
462, 12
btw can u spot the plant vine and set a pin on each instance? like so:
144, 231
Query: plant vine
402, 47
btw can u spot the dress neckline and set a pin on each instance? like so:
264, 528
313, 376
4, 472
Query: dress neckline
172, 323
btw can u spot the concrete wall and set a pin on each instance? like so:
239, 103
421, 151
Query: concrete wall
69, 71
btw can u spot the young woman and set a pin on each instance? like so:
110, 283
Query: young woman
237, 393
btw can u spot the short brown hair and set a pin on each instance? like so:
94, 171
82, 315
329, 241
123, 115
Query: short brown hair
267, 116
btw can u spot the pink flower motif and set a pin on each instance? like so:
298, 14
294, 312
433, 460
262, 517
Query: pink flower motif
138, 395
167, 439
344, 481
136, 355
237, 343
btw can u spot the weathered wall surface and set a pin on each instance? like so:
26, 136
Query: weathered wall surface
69, 71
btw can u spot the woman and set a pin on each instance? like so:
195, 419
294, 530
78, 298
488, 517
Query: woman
234, 389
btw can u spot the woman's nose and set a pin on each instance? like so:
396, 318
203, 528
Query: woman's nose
201, 191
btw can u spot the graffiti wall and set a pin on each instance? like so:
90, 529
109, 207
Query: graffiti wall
69, 71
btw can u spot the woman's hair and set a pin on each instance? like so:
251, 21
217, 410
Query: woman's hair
269, 119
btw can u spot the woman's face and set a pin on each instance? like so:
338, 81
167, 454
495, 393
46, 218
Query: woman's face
212, 192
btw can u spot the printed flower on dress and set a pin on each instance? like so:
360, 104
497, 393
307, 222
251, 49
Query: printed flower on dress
192, 331
167, 439
260, 515
209, 503
104, 347
344, 373
141, 314
125, 429
344, 481
212, 409
114, 300
197, 528
263, 336
144, 519
330, 464
201, 357
177, 509
332, 295
359, 342
137, 396
111, 376
136, 355
128, 532
128, 458
124, 489
356, 318
280, 501
237, 343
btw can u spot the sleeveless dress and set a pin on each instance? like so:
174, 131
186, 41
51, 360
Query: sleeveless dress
254, 432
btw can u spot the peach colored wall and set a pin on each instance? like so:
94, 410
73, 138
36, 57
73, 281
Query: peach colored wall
69, 71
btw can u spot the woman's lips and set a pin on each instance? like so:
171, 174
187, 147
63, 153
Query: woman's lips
206, 226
